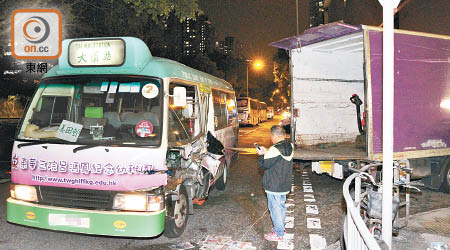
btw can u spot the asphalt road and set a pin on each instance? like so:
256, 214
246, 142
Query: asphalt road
234, 212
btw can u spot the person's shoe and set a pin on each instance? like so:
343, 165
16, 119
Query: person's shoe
272, 236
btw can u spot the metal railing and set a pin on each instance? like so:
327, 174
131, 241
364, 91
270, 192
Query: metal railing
356, 234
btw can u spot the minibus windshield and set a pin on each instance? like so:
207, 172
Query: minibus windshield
97, 111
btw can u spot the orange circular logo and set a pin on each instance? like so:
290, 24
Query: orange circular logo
30, 215
120, 224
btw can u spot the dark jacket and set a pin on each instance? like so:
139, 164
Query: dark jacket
277, 164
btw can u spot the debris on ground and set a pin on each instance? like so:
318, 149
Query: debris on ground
224, 243
183, 246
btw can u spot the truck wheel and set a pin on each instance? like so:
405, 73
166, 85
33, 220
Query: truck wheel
178, 215
222, 182
446, 181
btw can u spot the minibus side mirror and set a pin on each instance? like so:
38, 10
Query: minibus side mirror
179, 96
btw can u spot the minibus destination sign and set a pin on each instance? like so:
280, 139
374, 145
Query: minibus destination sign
83, 53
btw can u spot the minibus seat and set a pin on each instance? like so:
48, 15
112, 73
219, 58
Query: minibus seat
151, 117
113, 119
155, 110
130, 118
93, 116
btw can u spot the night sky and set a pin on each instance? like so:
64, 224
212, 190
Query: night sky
256, 23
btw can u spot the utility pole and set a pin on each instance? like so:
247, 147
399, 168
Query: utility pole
247, 62
296, 11
247, 79
388, 117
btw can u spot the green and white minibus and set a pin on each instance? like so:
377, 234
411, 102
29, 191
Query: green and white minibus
115, 142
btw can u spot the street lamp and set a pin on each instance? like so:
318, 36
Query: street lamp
258, 64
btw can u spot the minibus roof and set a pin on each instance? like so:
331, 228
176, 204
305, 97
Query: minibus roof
127, 56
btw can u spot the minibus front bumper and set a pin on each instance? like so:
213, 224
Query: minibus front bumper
112, 223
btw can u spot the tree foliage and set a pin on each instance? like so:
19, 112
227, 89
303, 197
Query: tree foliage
157, 9
83, 17
281, 75
11, 107
146, 19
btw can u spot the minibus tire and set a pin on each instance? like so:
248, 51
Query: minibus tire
174, 227
222, 182
445, 187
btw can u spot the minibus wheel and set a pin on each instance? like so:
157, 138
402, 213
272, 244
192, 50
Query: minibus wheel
178, 212
446, 179
222, 182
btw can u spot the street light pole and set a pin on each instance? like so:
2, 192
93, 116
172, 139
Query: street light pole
247, 62
247, 79
258, 65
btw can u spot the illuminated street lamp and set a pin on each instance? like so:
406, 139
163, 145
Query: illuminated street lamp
258, 64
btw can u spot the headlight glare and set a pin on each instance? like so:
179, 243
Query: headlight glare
155, 202
24, 192
138, 202
135, 202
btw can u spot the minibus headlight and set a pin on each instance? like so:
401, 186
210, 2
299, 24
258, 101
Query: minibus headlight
138, 202
24, 192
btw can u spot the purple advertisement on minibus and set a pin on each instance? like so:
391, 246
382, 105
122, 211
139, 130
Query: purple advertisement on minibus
100, 168
421, 92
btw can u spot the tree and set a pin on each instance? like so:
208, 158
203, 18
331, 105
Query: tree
182, 9
203, 63
82, 17
281, 95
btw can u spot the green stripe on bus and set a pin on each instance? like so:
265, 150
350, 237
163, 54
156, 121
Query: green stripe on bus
83, 221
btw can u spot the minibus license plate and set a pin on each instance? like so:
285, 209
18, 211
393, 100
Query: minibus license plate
67, 220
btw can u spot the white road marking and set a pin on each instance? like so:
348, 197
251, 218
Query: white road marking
289, 222
288, 241
289, 205
317, 242
285, 244
313, 223
312, 209
288, 218
288, 236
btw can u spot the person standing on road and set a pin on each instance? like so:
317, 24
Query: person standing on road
277, 164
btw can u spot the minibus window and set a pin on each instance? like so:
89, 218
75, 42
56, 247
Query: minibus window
231, 109
89, 110
184, 122
51, 110
220, 109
